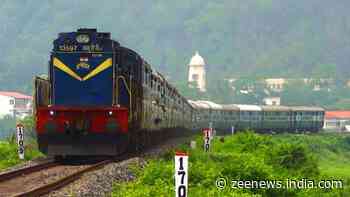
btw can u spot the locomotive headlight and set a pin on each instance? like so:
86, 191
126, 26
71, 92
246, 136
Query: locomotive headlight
83, 38
52, 113
110, 113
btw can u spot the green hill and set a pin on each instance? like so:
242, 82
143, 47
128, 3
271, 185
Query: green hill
257, 37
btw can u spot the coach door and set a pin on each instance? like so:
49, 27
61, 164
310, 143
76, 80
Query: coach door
130, 83
41, 92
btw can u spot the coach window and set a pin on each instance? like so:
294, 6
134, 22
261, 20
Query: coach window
155, 84
150, 80
147, 77
254, 116
156, 87
246, 115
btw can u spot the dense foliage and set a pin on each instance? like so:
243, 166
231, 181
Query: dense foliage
295, 92
249, 156
8, 143
9, 155
7, 127
237, 38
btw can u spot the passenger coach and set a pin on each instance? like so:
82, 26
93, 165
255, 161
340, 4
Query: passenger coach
257, 118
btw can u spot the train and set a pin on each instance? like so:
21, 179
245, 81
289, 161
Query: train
102, 98
260, 118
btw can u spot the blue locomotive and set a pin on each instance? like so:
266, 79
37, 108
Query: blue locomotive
101, 98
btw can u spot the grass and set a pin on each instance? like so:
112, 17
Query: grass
249, 156
9, 156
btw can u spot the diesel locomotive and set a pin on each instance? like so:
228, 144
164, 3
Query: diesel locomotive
101, 98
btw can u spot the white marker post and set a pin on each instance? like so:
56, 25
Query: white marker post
233, 130
181, 174
206, 144
20, 140
210, 129
206, 133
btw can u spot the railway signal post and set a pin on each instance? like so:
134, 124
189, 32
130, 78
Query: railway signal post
20, 140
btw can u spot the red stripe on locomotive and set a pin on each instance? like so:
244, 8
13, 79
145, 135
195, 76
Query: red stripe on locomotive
97, 117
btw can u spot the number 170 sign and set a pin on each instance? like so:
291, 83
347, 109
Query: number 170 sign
181, 174
20, 140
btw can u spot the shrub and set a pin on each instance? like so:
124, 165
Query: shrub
247, 156
9, 155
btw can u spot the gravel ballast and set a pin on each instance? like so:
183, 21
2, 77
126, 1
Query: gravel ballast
100, 182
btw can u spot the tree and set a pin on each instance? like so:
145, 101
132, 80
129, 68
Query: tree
325, 71
7, 127
29, 126
189, 90
249, 90
296, 93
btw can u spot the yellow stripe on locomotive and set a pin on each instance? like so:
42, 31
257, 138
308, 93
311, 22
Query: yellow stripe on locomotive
101, 67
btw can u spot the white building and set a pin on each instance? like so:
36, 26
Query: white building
196, 72
272, 101
276, 84
15, 104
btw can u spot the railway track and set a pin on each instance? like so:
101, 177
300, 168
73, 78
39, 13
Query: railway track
26, 170
47, 177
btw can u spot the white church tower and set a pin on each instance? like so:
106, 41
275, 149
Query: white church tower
196, 71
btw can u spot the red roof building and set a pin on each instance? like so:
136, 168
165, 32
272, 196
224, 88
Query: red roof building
337, 115
337, 120
15, 104
16, 95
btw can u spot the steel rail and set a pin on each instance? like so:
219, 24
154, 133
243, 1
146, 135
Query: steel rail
27, 170
68, 179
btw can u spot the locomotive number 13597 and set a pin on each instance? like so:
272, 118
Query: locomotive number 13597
68, 48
